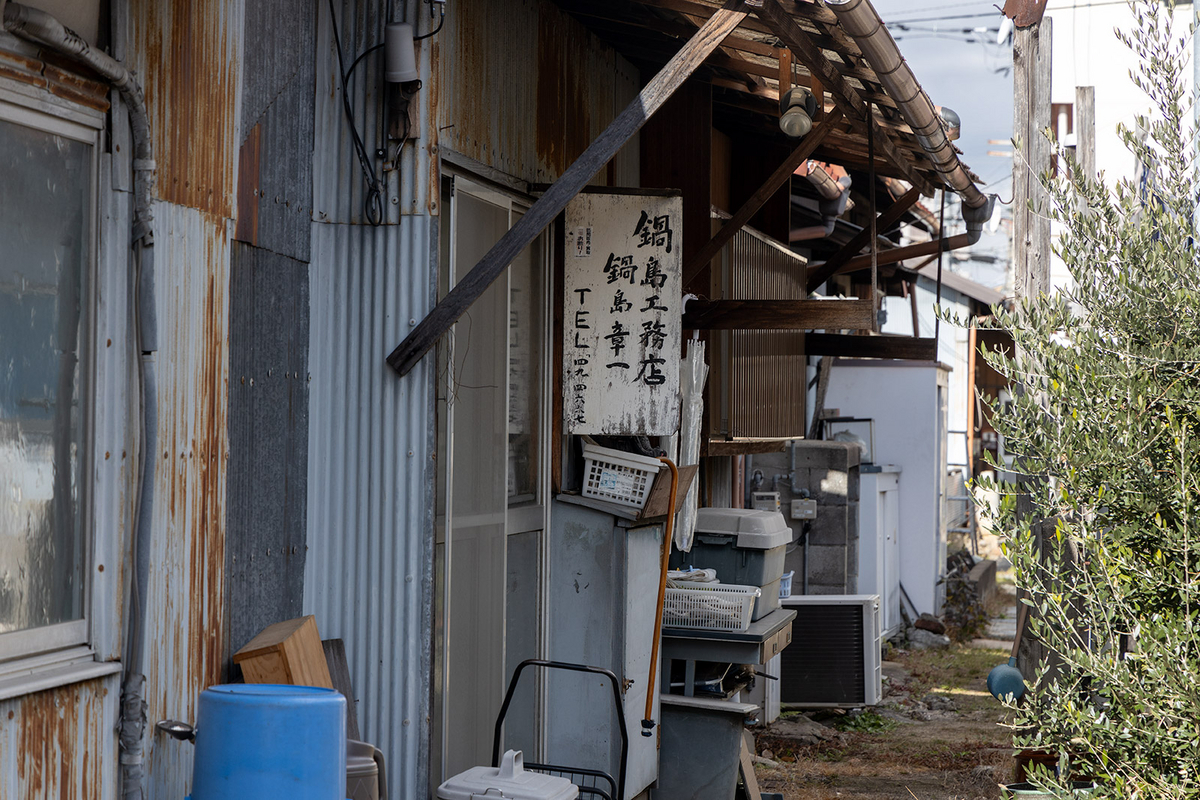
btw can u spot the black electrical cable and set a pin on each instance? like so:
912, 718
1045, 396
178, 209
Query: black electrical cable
441, 22
364, 54
374, 200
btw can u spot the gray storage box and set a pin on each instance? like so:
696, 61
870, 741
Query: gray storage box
745, 547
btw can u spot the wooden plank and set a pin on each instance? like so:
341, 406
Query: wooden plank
844, 95
426, 334
744, 447
660, 492
819, 273
906, 348
945, 244
339, 673
746, 763
777, 178
778, 315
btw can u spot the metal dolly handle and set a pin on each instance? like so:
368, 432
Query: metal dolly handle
616, 691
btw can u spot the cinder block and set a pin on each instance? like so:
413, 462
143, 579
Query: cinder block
829, 528
826, 455
852, 531
829, 486
828, 565
815, 588
852, 481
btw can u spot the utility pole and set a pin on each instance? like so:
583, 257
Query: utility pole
1031, 225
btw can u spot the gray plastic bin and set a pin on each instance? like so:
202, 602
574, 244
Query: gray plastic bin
745, 547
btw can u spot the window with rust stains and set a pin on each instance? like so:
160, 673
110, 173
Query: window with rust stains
47, 255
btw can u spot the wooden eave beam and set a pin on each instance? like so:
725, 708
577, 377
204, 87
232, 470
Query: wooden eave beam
779, 315
429, 330
844, 95
819, 273
839, 345
944, 244
773, 183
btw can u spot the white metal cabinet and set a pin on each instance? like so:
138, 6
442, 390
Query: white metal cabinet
879, 542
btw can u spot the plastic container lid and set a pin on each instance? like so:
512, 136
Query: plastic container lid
755, 530
509, 781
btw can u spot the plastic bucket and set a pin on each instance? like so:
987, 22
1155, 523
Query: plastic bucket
264, 740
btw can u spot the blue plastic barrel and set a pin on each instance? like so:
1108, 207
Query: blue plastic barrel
268, 741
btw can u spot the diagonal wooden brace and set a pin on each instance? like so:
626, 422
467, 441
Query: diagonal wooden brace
426, 334
819, 273
778, 178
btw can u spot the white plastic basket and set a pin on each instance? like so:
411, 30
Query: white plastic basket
785, 584
718, 607
617, 477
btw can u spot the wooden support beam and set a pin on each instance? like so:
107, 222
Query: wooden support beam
945, 244
906, 348
778, 315
847, 98
819, 273
426, 334
773, 183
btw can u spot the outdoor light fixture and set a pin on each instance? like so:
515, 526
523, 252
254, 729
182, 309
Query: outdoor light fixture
797, 107
400, 59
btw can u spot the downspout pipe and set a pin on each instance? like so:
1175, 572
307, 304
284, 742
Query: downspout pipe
860, 20
834, 198
44, 30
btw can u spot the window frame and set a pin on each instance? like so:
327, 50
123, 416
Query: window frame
48, 655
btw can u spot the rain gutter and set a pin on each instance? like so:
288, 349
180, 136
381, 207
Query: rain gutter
860, 20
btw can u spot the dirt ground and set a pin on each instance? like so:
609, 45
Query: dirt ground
936, 736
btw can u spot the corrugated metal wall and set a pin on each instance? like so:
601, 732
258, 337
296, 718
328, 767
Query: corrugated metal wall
188, 55
368, 574
54, 743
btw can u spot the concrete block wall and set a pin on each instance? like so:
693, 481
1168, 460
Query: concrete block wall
829, 472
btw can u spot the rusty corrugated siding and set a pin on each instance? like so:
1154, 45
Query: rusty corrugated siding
48, 75
187, 54
525, 88
60, 743
185, 626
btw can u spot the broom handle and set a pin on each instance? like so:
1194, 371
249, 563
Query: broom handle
648, 721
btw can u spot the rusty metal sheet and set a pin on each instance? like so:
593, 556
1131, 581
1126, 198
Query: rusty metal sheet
187, 55
1025, 13
61, 743
186, 601
524, 87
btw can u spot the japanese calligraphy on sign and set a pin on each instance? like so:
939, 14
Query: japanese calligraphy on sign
622, 322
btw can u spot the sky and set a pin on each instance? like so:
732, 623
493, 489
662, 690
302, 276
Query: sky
969, 73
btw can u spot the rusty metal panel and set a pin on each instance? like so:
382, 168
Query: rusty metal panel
410, 172
368, 574
758, 386
187, 53
186, 601
274, 181
524, 87
61, 743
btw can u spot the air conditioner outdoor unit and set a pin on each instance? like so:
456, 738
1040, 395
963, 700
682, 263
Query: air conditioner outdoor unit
834, 658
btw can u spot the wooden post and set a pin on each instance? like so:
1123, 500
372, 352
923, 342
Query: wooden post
1031, 227
426, 334
1085, 129
1031, 105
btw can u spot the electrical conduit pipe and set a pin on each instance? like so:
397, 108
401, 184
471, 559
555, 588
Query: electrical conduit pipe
648, 720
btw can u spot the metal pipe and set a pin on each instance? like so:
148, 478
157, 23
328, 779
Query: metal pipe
860, 20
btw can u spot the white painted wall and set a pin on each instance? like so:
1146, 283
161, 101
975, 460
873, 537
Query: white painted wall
902, 398
1086, 52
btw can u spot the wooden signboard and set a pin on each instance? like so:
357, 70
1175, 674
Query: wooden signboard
622, 325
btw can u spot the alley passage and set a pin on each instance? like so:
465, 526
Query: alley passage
936, 735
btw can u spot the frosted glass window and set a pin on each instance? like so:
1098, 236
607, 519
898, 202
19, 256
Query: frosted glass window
45, 253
